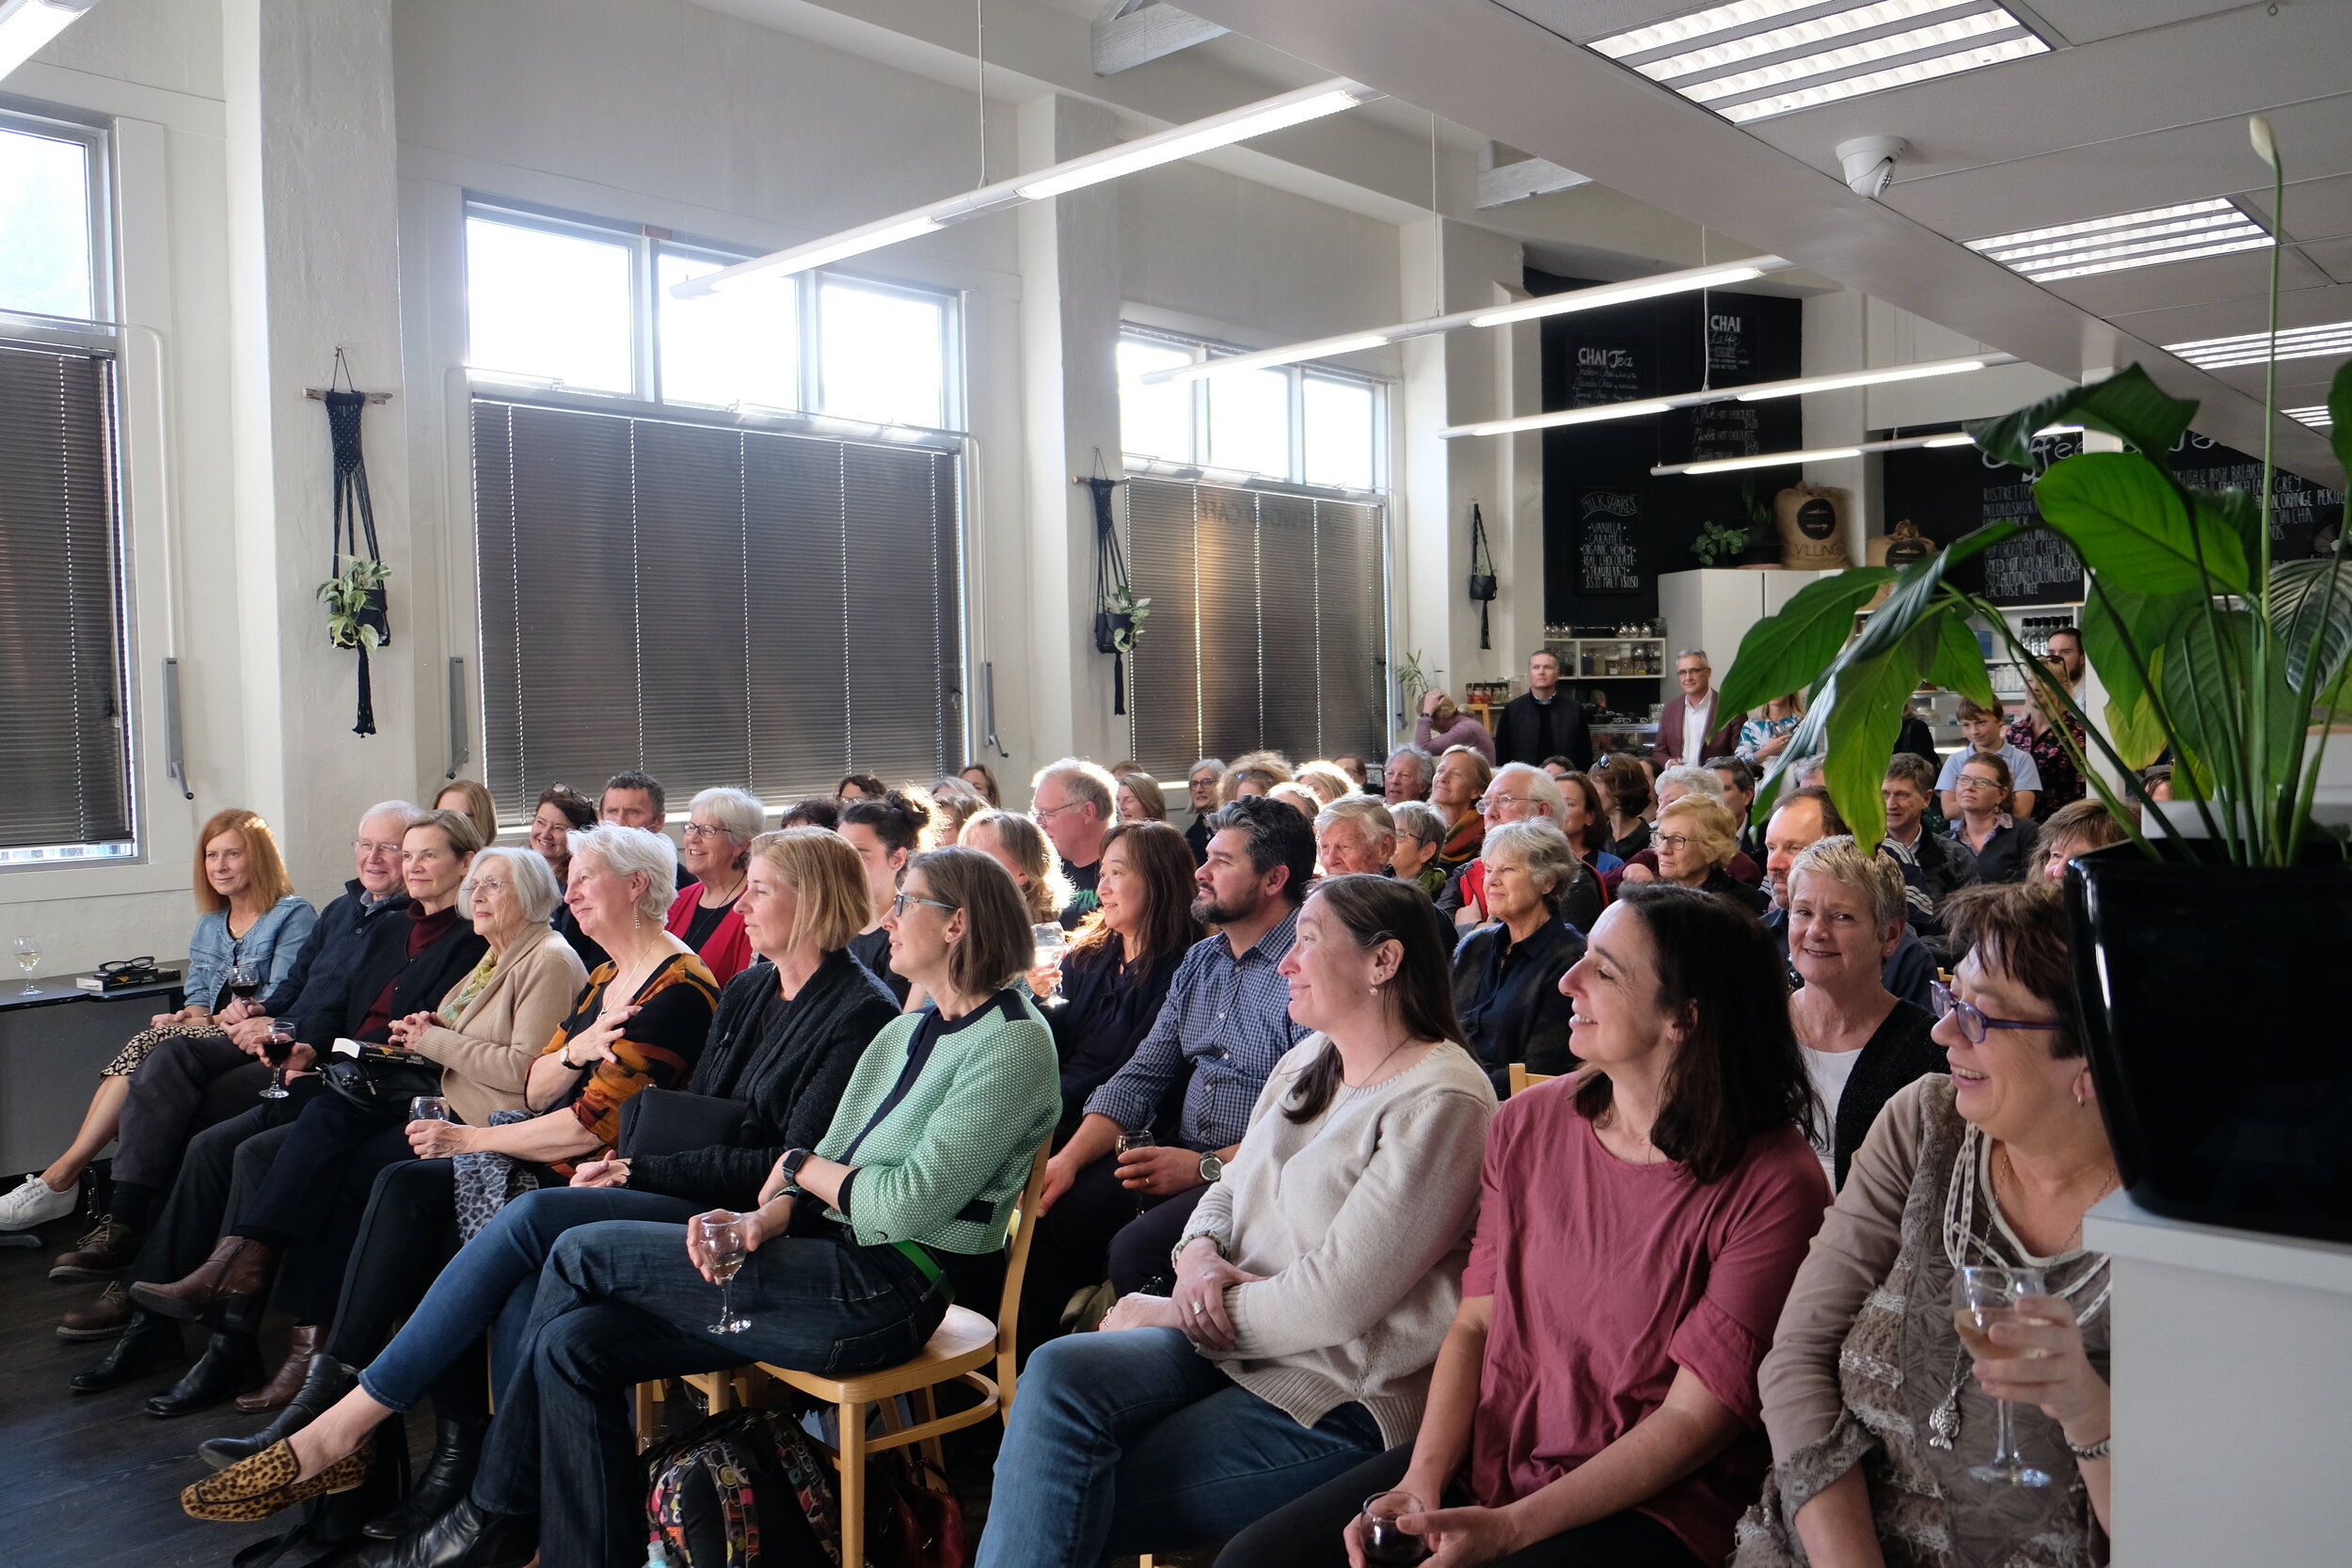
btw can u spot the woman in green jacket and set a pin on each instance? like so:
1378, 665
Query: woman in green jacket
853, 1254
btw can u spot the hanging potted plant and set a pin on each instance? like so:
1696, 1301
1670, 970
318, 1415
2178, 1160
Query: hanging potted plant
2231, 897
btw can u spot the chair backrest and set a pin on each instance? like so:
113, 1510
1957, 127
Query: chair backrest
1016, 1266
1522, 1080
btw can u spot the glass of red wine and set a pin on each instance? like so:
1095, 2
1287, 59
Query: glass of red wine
1385, 1543
244, 981
278, 1045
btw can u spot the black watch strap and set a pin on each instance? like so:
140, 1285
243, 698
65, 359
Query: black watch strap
792, 1162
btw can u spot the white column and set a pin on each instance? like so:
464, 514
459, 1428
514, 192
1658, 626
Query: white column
1068, 249
313, 237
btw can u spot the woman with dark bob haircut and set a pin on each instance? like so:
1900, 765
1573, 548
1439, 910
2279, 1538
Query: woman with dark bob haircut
1595, 1397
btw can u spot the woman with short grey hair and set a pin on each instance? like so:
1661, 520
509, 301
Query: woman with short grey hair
1506, 973
720, 827
528, 878
1420, 829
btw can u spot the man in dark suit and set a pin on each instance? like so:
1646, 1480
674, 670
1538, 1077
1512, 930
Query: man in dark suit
1543, 720
1692, 729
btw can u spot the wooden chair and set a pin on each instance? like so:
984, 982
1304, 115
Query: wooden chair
1521, 1080
963, 1344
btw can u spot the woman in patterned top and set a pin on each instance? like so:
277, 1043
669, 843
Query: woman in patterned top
2035, 732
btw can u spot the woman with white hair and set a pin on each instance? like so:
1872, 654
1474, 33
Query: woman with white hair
720, 827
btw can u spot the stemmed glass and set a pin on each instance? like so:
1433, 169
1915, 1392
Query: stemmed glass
279, 1047
245, 980
1983, 1295
29, 960
1383, 1542
723, 1242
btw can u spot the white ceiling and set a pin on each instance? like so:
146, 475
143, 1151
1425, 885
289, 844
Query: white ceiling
2143, 104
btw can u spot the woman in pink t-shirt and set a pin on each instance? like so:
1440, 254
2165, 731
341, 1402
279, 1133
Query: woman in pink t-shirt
1596, 1401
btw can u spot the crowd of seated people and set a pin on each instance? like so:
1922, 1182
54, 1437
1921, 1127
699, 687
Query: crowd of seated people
1289, 1254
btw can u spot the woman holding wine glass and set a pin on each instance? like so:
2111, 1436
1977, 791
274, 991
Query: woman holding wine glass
1116, 972
1595, 1401
1951, 1281
250, 929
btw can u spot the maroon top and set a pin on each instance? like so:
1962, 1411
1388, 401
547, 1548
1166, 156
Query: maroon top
423, 931
1606, 1278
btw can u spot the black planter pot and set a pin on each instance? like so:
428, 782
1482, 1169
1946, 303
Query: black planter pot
2212, 1006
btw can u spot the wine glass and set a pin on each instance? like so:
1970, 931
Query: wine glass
429, 1107
278, 1045
29, 960
244, 979
1981, 1296
722, 1239
1383, 1542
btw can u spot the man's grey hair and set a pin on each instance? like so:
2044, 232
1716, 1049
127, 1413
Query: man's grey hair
1692, 781
1699, 654
1422, 760
407, 811
629, 852
1081, 780
1373, 814
1542, 787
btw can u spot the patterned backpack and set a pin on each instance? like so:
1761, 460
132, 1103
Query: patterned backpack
743, 1489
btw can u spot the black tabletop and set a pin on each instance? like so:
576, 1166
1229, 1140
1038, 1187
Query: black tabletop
61, 988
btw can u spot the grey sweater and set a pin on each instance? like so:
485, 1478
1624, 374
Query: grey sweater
1360, 1220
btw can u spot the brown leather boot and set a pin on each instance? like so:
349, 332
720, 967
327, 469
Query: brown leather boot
102, 1318
106, 1252
230, 1285
287, 1382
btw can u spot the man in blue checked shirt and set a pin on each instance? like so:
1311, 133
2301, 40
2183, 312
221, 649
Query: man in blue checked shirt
1226, 1022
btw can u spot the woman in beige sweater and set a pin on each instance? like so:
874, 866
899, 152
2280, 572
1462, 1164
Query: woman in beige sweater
1314, 1282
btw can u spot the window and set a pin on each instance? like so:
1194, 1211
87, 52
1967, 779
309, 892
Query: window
50, 220
585, 307
1305, 426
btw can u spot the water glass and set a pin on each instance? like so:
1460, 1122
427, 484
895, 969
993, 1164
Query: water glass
429, 1107
723, 1243
1981, 1297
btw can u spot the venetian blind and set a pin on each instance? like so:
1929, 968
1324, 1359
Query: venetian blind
64, 701
1267, 627
716, 606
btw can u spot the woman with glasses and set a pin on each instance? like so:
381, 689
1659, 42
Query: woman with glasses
847, 1263
720, 827
1419, 833
1696, 841
1878, 1413
2003, 843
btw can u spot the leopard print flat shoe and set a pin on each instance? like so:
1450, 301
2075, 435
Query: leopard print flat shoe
258, 1487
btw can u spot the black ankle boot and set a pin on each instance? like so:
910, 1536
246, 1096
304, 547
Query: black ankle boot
147, 1343
327, 1381
465, 1537
231, 1364
456, 1449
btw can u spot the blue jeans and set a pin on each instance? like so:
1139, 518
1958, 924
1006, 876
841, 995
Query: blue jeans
618, 1303
1134, 1442
490, 1284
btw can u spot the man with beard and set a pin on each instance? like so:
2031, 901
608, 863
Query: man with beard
1190, 1084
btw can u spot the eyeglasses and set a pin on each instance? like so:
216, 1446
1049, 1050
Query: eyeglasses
899, 905
698, 830
1041, 813
366, 846
1979, 782
489, 885
1972, 1021
1493, 802
1673, 841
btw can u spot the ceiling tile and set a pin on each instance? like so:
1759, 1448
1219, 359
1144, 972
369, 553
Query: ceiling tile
2088, 21
2239, 281
1579, 19
2335, 259
2180, 323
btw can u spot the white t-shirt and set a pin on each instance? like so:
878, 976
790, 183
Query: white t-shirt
1698, 719
1829, 1071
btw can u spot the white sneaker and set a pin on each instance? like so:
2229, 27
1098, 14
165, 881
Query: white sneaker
34, 1204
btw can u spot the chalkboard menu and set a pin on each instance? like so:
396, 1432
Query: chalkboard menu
1610, 526
2300, 510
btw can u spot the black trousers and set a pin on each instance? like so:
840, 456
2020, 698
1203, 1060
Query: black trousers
223, 1171
187, 1083
316, 1193
1306, 1533
407, 1234
1075, 1245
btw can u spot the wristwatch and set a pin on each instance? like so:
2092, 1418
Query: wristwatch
790, 1166
1211, 1168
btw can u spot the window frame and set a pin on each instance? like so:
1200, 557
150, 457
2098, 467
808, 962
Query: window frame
1197, 466
97, 191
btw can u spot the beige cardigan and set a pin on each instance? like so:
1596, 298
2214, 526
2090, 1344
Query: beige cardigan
1360, 1220
486, 1057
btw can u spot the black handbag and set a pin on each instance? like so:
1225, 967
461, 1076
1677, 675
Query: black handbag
1482, 584
381, 1080
671, 1121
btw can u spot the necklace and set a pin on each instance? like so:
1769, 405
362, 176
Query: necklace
733, 893
1374, 1076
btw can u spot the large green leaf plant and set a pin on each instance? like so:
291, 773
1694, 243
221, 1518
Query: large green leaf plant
2204, 645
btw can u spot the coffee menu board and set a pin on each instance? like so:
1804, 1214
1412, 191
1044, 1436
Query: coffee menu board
2301, 509
1611, 528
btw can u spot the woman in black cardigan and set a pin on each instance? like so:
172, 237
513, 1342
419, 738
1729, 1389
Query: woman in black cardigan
784, 1042
1116, 973
1506, 973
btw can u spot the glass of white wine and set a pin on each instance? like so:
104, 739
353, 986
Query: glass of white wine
29, 960
723, 1242
1981, 1297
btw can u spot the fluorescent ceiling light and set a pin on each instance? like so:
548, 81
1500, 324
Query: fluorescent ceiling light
2254, 348
1687, 281
1826, 454
27, 24
1754, 393
2316, 416
1752, 59
2210, 228
1161, 147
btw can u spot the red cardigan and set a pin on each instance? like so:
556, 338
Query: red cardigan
728, 952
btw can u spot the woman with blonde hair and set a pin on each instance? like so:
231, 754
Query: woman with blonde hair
1020, 847
1696, 841
1252, 773
1140, 798
249, 920
470, 798
1766, 736
983, 778
1463, 775
957, 803
1327, 781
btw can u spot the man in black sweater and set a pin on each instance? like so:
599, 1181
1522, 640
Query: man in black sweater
1543, 720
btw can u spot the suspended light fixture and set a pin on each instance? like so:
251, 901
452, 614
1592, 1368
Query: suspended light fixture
1687, 281
1830, 455
1162, 147
1754, 393
27, 24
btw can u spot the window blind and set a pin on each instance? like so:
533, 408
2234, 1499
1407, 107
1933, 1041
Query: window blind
64, 701
1267, 628
716, 606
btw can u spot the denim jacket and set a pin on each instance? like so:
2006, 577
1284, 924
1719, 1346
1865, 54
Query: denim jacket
272, 944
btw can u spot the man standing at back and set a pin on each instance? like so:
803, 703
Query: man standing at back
1071, 800
1691, 730
1543, 721
1193, 1077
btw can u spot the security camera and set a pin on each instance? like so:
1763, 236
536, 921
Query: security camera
1869, 163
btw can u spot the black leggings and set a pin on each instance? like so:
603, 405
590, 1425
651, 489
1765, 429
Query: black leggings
1306, 1533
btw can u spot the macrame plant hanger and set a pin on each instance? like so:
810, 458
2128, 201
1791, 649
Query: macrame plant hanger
365, 622
1114, 599
1482, 583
